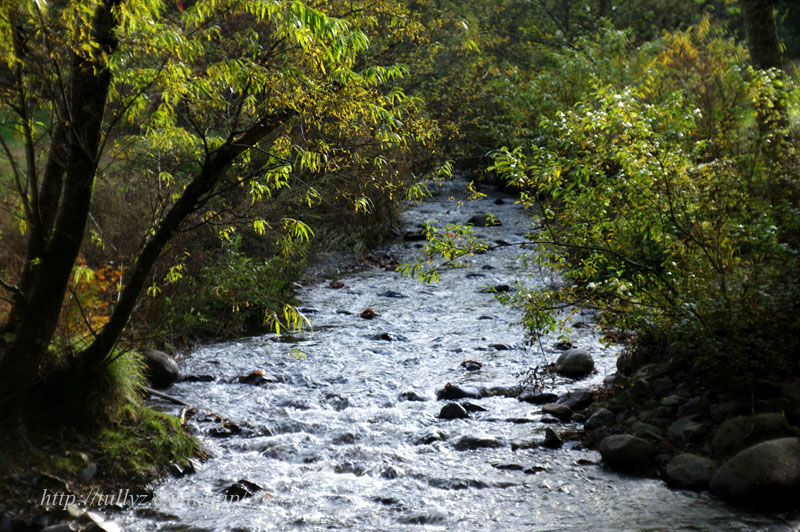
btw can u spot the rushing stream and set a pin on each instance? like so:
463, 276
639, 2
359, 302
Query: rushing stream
336, 445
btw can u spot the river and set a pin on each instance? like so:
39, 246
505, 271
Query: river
335, 445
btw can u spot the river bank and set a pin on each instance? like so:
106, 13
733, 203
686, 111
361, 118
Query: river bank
341, 426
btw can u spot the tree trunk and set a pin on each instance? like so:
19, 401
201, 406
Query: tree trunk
762, 33
40, 308
211, 172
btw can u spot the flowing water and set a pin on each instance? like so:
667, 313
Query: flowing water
335, 444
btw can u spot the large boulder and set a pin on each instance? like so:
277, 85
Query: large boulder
741, 432
690, 471
577, 399
160, 368
602, 417
624, 451
561, 412
575, 363
765, 474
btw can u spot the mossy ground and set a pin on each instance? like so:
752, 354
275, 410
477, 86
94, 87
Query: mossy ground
129, 452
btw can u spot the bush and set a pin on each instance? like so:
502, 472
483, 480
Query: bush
671, 201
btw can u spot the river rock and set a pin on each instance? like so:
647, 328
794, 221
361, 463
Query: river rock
254, 378
575, 363
625, 451
241, 489
453, 411
562, 412
471, 365
388, 337
740, 432
688, 428
469, 443
767, 473
411, 396
647, 431
460, 392
577, 399
483, 219
160, 368
552, 440
532, 395
690, 471
430, 436
603, 417
472, 407
392, 294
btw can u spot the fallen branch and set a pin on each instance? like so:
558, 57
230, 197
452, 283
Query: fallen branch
166, 397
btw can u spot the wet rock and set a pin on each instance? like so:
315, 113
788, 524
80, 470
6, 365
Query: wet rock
160, 368
504, 391
255, 378
535, 469
196, 378
561, 412
474, 275
367, 314
61, 527
390, 473
483, 219
349, 467
577, 399
500, 347
429, 437
457, 483
411, 396
603, 417
508, 467
388, 337
392, 293
495, 289
487, 267
550, 420
499, 201
471, 407
530, 444
533, 396
575, 363
688, 428
337, 401
520, 420
774, 405
625, 451
226, 430
563, 346
460, 392
690, 471
336, 284
647, 431
414, 236
471, 365
695, 405
453, 411
767, 474
469, 443
242, 489
743, 431
721, 411
552, 440
180, 470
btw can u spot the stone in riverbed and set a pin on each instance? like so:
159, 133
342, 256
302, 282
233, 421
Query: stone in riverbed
241, 489
575, 363
577, 399
552, 440
765, 474
562, 412
740, 432
690, 471
160, 368
531, 395
624, 451
460, 392
483, 219
603, 417
688, 428
468, 443
453, 411
411, 396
